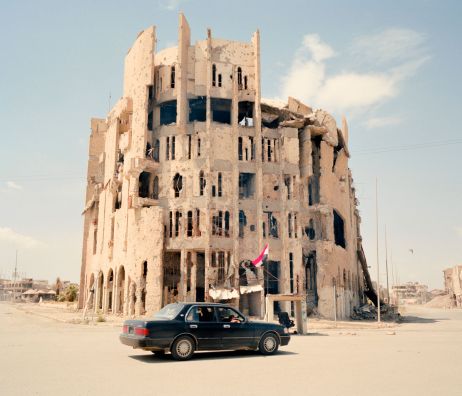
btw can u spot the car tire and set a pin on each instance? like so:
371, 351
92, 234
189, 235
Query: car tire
269, 344
183, 348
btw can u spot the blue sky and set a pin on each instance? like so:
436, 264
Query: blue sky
391, 67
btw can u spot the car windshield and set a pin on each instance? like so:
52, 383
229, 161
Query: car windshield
169, 311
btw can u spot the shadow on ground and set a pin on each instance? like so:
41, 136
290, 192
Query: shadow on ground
417, 319
167, 358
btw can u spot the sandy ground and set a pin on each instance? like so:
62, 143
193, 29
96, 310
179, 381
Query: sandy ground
41, 355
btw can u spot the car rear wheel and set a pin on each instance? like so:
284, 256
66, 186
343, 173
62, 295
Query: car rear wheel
183, 348
269, 344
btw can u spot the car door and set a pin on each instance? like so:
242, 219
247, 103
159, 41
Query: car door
236, 331
201, 322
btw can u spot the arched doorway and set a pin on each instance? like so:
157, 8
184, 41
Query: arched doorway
99, 291
120, 289
110, 288
91, 291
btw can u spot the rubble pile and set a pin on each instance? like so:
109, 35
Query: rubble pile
388, 313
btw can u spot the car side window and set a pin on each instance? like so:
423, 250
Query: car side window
229, 315
201, 314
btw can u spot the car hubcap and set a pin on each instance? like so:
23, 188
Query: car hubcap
184, 348
270, 344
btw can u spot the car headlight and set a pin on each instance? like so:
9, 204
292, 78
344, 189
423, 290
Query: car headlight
286, 330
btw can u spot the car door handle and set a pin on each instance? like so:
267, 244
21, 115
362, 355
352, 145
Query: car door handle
226, 326
193, 326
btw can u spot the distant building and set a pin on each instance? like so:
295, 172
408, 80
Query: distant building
410, 293
453, 284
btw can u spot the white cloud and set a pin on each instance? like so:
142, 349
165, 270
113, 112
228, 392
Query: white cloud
379, 122
390, 45
397, 54
7, 235
170, 5
13, 186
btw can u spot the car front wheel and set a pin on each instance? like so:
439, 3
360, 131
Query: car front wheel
183, 348
269, 344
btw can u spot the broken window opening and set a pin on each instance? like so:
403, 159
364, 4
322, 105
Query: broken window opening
310, 279
167, 149
310, 230
177, 184
148, 150
245, 114
213, 191
155, 188
221, 110
143, 184
239, 148
239, 78
226, 224
170, 229
150, 121
198, 147
202, 183
156, 150
291, 272
219, 80
272, 225
242, 223
198, 109
214, 75
252, 149
168, 112
189, 230
268, 141
289, 225
145, 269
264, 229
189, 265
150, 92
288, 183
246, 185
245, 82
172, 77
217, 224
339, 230
262, 150
221, 268
177, 223
220, 182
295, 225
314, 180
198, 222
189, 146
173, 147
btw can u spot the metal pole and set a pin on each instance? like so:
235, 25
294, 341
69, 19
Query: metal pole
377, 245
386, 264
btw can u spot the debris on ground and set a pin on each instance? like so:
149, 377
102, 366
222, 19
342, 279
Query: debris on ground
388, 313
443, 301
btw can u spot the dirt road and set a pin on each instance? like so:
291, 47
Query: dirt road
40, 356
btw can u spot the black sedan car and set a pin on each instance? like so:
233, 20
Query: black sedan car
183, 328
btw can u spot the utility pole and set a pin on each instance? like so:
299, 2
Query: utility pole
377, 245
386, 264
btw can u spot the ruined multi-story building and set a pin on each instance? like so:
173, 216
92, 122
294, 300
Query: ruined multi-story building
192, 173
453, 284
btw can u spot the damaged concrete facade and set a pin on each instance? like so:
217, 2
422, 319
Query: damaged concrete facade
453, 284
192, 173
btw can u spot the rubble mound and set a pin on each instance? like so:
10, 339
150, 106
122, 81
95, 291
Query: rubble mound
443, 301
388, 313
